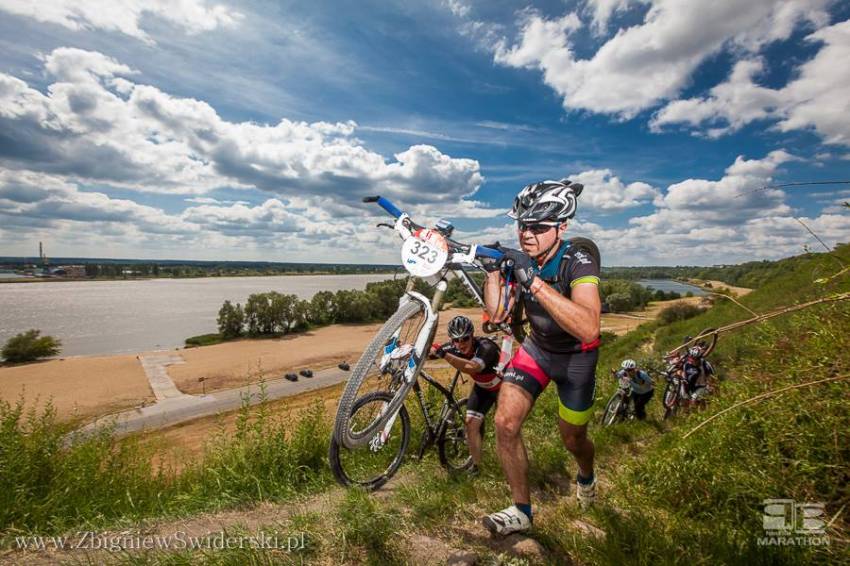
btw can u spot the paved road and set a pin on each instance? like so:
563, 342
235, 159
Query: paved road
181, 408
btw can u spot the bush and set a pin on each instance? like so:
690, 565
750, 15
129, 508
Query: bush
679, 311
204, 340
29, 346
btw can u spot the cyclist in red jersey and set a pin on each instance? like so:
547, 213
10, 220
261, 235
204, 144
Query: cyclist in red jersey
478, 358
559, 291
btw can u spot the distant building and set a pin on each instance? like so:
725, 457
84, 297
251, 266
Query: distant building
70, 271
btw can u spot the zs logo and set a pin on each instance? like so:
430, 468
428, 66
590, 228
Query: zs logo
582, 257
786, 516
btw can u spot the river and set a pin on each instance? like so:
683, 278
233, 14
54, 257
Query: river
110, 317
668, 285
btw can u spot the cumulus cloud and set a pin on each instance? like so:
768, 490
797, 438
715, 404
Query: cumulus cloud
651, 62
95, 124
604, 191
192, 16
816, 98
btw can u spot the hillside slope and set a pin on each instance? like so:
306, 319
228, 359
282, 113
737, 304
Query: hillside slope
664, 498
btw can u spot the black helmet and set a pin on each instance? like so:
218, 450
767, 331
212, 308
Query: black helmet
547, 201
460, 327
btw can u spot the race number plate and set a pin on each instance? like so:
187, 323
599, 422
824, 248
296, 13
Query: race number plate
424, 253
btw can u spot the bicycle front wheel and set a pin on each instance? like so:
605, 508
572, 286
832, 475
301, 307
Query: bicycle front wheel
671, 399
452, 445
372, 466
381, 368
612, 410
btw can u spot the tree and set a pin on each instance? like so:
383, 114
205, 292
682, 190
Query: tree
619, 302
29, 346
230, 320
323, 308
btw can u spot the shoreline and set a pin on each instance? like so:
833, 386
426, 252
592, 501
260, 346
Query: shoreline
229, 276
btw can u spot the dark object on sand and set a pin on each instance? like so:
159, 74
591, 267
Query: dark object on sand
344, 366
291, 377
306, 372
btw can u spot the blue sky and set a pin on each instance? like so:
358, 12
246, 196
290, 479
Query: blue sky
250, 130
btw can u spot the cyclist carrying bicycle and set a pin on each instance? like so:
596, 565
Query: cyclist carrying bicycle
696, 370
641, 385
558, 288
478, 358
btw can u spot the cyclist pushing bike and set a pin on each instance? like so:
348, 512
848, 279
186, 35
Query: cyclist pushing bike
477, 357
641, 386
558, 289
696, 371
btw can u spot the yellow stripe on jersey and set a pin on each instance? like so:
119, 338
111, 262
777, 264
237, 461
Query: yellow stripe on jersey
586, 279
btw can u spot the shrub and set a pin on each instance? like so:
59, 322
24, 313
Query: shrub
678, 311
29, 346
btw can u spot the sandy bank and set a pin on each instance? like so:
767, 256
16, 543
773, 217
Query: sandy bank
84, 386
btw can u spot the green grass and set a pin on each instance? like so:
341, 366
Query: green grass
48, 487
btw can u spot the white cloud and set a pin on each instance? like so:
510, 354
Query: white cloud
125, 16
606, 192
602, 10
816, 98
94, 124
645, 64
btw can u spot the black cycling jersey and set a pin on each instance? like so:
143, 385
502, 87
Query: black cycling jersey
569, 267
486, 353
693, 371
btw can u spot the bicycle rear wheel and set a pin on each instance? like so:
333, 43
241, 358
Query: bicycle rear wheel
373, 465
381, 368
612, 410
709, 342
451, 444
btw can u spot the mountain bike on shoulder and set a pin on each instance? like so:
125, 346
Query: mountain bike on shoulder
676, 392
372, 404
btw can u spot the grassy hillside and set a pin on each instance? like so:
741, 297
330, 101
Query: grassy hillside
664, 498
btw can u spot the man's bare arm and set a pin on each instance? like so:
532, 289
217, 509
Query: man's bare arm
580, 315
470, 367
494, 297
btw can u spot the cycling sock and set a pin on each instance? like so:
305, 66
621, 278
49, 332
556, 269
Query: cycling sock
525, 508
583, 480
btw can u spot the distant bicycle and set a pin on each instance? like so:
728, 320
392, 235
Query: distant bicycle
621, 405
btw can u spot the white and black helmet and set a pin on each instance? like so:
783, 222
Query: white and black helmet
695, 351
460, 327
547, 201
628, 364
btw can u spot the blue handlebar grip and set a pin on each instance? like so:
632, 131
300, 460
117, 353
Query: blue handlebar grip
389, 207
482, 251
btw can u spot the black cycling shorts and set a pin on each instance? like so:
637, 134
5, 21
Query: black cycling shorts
480, 400
575, 375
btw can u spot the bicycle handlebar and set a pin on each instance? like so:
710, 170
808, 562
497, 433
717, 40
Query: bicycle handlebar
480, 251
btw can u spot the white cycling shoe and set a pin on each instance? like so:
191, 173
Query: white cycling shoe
507, 521
585, 494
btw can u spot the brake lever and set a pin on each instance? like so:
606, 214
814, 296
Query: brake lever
384, 225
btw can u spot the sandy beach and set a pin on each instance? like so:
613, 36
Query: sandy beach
78, 387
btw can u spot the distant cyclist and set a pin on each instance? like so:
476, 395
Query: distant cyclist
641, 385
560, 295
696, 370
477, 357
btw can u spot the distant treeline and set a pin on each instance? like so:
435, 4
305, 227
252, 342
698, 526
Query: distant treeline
752, 274
125, 269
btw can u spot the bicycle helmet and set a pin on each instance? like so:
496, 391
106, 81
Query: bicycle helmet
695, 351
460, 327
628, 364
546, 201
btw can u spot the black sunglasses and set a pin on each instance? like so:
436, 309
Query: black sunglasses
535, 229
